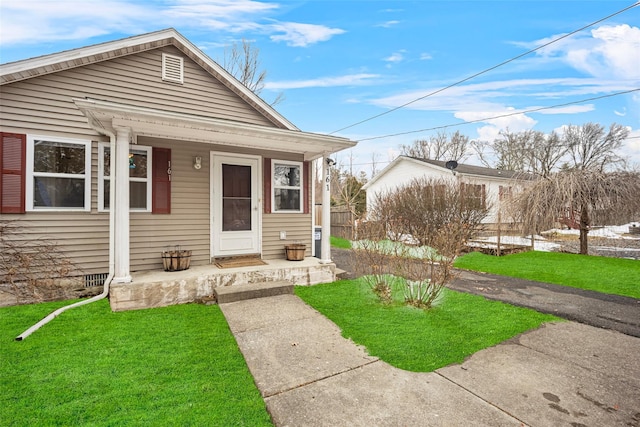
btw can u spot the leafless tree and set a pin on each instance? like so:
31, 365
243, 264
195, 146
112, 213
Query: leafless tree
591, 146
439, 147
243, 62
585, 196
528, 151
545, 152
511, 150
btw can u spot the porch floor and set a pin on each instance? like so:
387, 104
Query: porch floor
160, 288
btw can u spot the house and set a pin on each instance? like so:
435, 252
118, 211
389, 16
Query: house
122, 149
489, 186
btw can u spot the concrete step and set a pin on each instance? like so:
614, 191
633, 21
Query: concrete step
253, 290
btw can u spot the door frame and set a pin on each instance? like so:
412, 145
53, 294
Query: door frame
215, 200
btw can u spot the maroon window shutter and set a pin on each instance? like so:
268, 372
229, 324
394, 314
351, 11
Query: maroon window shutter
13, 149
307, 188
266, 183
161, 184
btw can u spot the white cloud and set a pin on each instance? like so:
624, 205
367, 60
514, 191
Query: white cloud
39, 21
347, 80
395, 57
513, 122
301, 35
620, 113
569, 109
388, 24
42, 21
606, 52
425, 56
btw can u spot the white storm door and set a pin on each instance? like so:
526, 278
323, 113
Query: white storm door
236, 210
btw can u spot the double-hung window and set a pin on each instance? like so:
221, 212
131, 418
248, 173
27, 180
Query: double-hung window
139, 178
287, 193
58, 174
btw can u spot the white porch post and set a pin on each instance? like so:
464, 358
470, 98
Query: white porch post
121, 208
325, 242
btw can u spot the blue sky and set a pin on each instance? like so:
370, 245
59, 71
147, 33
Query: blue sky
341, 62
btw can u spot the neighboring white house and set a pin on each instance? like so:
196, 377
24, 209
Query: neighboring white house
487, 184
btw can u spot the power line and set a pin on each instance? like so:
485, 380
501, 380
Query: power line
533, 110
488, 69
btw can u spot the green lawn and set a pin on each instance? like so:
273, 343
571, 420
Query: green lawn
417, 340
339, 242
177, 365
602, 274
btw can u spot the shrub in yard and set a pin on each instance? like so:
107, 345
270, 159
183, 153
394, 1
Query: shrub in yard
33, 269
437, 216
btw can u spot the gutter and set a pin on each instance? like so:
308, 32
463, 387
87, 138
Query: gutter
109, 278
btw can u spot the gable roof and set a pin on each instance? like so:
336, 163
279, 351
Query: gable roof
47, 64
461, 170
464, 169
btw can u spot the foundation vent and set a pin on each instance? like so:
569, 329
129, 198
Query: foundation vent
172, 68
95, 279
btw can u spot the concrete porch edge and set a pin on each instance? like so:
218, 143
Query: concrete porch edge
161, 288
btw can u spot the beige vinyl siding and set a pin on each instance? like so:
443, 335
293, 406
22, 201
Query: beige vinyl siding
188, 223
44, 104
297, 226
81, 237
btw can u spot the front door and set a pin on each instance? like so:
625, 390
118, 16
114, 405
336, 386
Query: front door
235, 210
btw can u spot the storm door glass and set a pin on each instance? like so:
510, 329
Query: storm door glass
236, 198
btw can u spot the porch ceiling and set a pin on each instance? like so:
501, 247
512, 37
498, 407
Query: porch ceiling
106, 117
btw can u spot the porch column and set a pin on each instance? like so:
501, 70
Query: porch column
325, 242
121, 205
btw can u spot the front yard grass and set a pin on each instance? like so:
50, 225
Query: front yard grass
602, 274
339, 242
417, 340
176, 365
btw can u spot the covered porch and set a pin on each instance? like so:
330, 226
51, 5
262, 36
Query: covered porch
162, 288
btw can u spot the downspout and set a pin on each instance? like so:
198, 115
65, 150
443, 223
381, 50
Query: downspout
107, 282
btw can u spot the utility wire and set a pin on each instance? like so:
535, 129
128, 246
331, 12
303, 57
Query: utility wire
532, 110
488, 69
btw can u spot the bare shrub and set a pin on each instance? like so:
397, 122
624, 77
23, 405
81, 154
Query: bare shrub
435, 215
372, 262
421, 208
33, 269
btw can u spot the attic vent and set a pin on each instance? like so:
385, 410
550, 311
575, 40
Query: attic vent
172, 68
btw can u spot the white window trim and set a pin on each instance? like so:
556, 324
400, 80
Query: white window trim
30, 174
275, 162
102, 178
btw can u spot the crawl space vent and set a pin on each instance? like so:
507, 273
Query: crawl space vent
95, 279
172, 68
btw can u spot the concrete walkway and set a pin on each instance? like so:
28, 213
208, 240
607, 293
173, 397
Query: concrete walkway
564, 374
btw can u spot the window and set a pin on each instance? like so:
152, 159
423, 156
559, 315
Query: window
474, 194
139, 178
287, 193
58, 174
